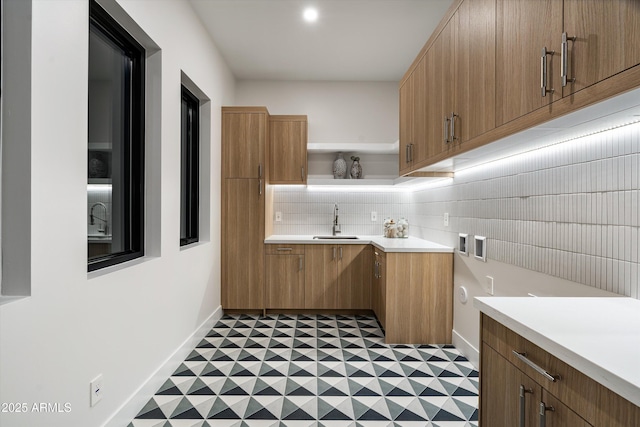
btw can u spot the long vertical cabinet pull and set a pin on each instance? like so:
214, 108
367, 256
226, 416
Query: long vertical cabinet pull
334, 252
259, 187
523, 391
300, 266
406, 153
302, 173
340, 253
445, 130
259, 170
564, 63
543, 72
260, 179
453, 127
543, 417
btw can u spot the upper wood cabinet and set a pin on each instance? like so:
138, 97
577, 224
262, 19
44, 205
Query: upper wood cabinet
526, 77
602, 39
288, 150
406, 125
244, 141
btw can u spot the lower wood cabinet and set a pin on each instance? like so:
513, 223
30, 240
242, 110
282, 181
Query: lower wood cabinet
284, 271
338, 277
514, 393
417, 297
379, 286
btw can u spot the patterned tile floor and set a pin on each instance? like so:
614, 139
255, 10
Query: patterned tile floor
287, 370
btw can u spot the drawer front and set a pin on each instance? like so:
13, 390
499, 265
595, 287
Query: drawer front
573, 388
282, 249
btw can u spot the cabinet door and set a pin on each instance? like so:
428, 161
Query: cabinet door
560, 416
524, 28
243, 244
501, 384
378, 289
475, 66
320, 276
354, 278
418, 151
607, 39
243, 144
406, 129
285, 281
288, 150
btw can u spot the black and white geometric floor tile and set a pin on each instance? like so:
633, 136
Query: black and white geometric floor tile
313, 370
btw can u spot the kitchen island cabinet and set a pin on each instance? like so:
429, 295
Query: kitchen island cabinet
538, 353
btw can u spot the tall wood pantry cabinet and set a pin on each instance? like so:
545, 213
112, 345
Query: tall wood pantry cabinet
244, 141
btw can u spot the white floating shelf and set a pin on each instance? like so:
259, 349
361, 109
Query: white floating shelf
316, 147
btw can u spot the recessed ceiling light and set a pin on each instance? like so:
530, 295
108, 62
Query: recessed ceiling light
310, 14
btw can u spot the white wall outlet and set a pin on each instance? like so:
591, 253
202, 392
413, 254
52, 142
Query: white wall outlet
374, 216
446, 219
96, 391
488, 287
278, 216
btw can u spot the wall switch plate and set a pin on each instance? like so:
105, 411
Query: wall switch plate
278, 216
374, 216
96, 392
446, 219
488, 287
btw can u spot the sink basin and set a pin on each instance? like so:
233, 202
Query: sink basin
336, 237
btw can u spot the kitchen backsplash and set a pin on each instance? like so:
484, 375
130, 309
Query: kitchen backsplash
311, 212
570, 210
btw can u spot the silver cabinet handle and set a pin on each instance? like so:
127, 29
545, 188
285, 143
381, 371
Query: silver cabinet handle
564, 56
523, 391
411, 151
406, 154
302, 173
543, 409
259, 170
300, 266
340, 252
375, 269
334, 252
445, 127
260, 187
284, 249
453, 127
538, 369
543, 72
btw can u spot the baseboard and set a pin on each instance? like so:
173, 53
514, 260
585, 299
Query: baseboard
465, 347
126, 413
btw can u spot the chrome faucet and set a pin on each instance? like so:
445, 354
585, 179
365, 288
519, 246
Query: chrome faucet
336, 226
104, 227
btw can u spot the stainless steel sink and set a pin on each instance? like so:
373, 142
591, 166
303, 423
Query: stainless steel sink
336, 237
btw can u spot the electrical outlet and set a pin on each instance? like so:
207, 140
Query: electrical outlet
278, 216
488, 287
374, 216
96, 392
446, 219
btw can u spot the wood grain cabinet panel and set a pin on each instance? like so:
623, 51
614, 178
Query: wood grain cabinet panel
379, 286
321, 280
244, 136
578, 400
288, 149
284, 281
243, 204
607, 40
524, 28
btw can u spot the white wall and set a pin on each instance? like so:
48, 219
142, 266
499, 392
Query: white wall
123, 324
338, 112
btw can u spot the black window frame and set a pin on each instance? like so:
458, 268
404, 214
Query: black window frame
190, 168
133, 144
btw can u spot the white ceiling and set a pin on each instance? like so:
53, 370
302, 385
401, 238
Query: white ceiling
353, 40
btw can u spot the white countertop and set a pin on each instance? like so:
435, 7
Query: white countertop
409, 244
600, 337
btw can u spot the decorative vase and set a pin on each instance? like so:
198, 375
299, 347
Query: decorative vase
339, 167
356, 168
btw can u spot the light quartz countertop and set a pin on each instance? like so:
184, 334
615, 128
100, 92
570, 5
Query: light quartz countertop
599, 337
409, 244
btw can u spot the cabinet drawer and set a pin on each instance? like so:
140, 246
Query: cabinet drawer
284, 249
588, 398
